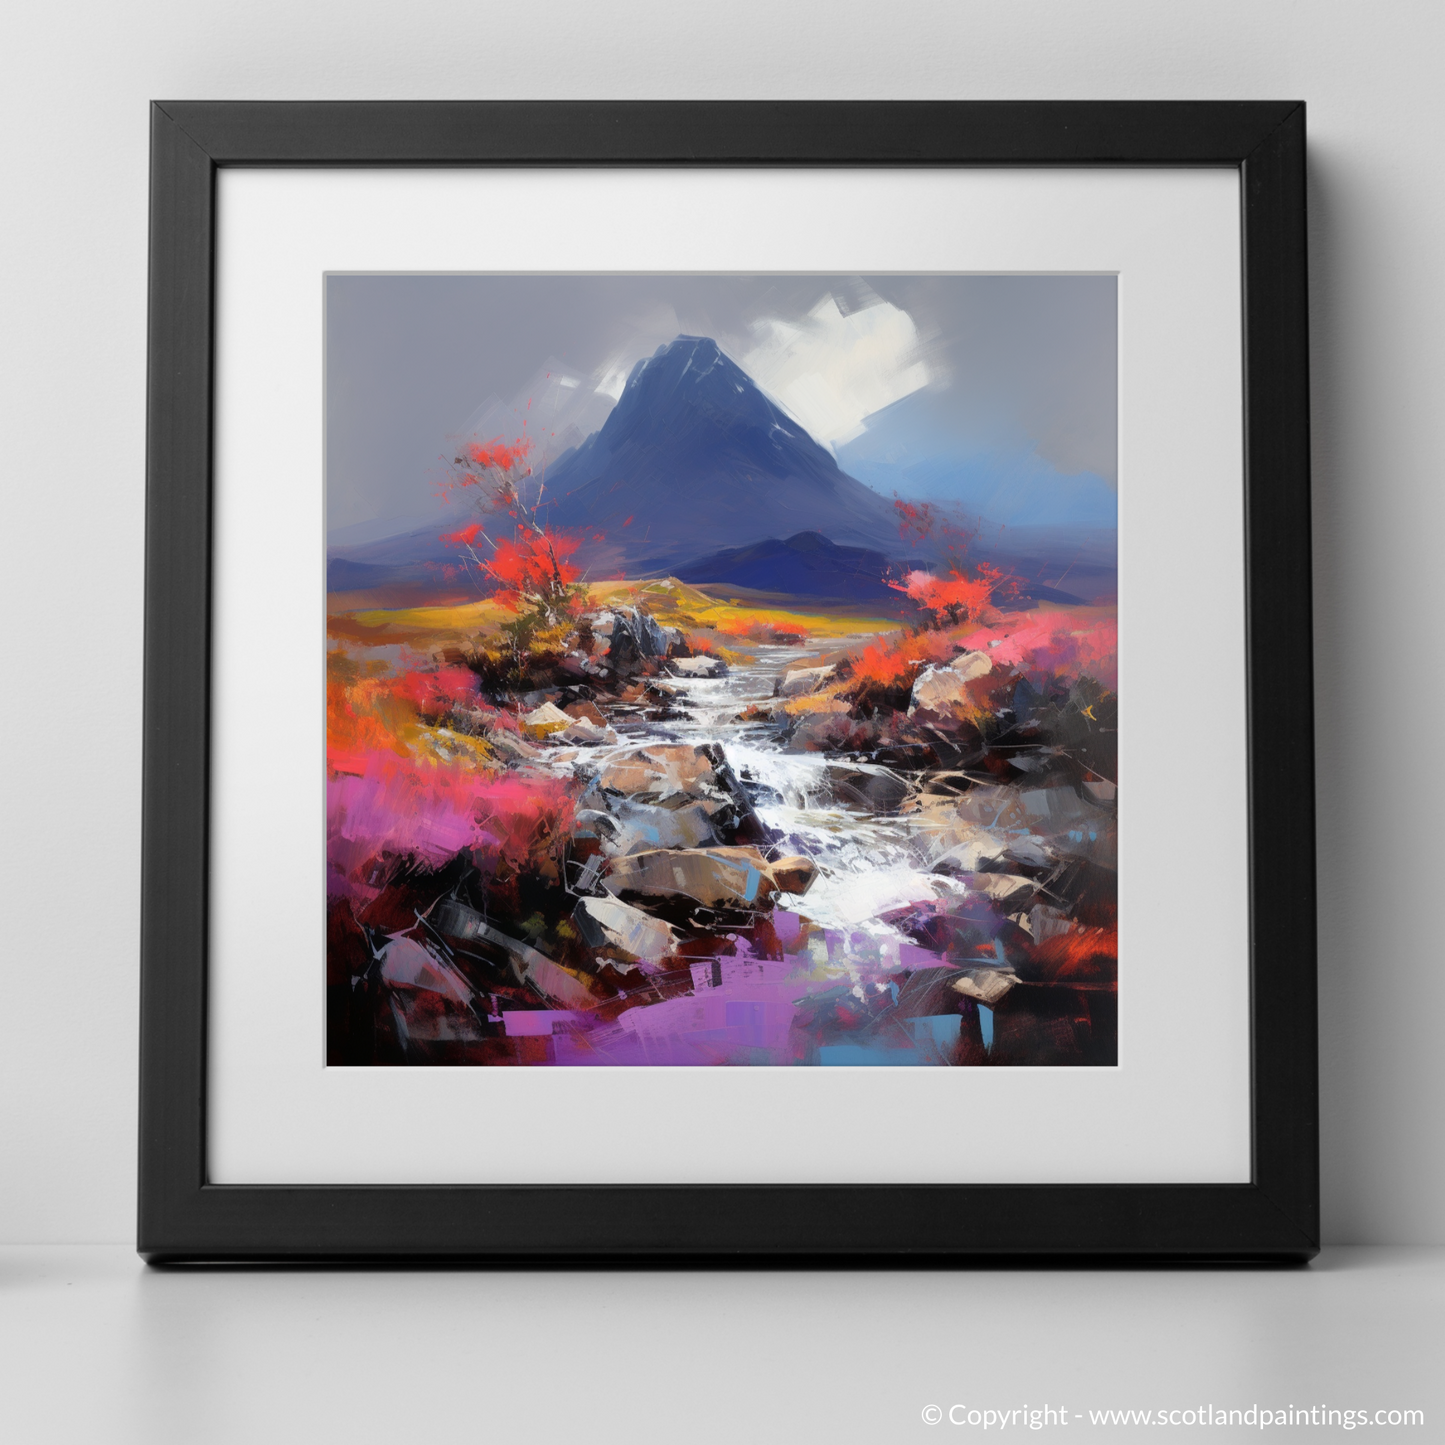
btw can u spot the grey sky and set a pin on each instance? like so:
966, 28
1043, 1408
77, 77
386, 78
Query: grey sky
1023, 363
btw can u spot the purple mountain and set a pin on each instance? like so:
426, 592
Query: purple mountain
694, 458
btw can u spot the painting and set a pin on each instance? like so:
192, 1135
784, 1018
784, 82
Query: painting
721, 670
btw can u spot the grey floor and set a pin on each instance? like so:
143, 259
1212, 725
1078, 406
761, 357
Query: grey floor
96, 1348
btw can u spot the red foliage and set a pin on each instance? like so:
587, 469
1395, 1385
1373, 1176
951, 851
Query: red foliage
896, 663
957, 598
954, 596
368, 714
922, 521
494, 467
736, 626
440, 691
496, 453
463, 538
529, 571
352, 724
532, 564
1051, 642
387, 804
915, 520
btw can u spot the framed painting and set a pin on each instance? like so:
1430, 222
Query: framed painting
728, 681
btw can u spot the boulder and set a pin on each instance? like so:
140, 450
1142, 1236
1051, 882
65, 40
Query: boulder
942, 689
529, 967
430, 1002
618, 929
937, 690
405, 963
761, 713
660, 770
557, 984
698, 666
634, 827
868, 786
800, 680
544, 720
830, 729
715, 877
982, 834
511, 746
1046, 923
969, 847
570, 670
632, 636
588, 710
793, 874
969, 665
985, 985
671, 775
586, 733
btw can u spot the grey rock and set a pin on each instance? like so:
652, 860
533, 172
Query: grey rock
698, 666
633, 636
986, 985
941, 689
798, 681
867, 785
617, 928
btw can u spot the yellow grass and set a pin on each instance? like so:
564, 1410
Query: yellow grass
676, 604
672, 603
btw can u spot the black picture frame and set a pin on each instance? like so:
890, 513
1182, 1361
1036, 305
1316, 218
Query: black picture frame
1274, 1217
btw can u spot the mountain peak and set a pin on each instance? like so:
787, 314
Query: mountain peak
693, 372
695, 457
687, 350
688, 359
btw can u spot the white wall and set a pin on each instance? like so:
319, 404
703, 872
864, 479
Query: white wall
75, 79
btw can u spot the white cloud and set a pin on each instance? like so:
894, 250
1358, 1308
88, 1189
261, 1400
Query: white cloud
832, 371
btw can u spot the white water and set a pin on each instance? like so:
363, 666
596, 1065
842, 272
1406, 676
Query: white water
868, 863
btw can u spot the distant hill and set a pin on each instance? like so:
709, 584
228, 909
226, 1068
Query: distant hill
804, 565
